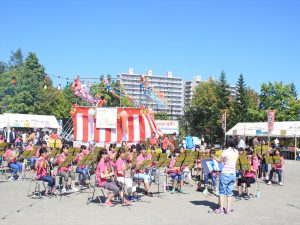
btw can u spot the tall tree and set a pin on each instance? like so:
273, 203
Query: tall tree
223, 92
241, 101
16, 58
294, 91
279, 97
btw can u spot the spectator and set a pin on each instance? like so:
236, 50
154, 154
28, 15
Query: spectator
228, 175
12, 136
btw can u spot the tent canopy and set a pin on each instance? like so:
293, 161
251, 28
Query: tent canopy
27, 120
280, 129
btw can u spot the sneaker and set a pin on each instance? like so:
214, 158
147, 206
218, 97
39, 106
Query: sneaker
173, 191
269, 183
149, 194
181, 191
12, 178
216, 193
126, 202
63, 190
205, 192
219, 211
247, 197
238, 197
75, 189
228, 211
109, 203
136, 198
280, 183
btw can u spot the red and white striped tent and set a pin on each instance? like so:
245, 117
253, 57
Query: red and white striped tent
139, 121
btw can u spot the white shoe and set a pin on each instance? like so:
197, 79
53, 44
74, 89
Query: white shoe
63, 190
280, 183
75, 189
269, 183
12, 178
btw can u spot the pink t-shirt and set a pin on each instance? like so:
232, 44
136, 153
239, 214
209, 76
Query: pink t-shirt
101, 168
279, 166
29, 148
59, 160
37, 154
165, 143
153, 141
120, 163
230, 157
139, 159
171, 166
41, 168
78, 158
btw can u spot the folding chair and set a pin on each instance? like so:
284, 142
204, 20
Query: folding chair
37, 192
95, 187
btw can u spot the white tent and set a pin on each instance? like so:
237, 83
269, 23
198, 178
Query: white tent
27, 120
2, 121
281, 129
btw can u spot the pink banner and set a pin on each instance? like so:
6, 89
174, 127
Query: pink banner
271, 120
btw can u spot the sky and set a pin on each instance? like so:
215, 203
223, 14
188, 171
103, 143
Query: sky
257, 38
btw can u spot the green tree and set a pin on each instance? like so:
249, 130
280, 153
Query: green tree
161, 116
294, 91
241, 101
16, 58
281, 98
223, 92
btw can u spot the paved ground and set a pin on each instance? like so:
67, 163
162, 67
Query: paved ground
277, 205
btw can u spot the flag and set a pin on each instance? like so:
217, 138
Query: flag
271, 120
224, 120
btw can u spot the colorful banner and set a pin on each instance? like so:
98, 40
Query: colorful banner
224, 120
271, 120
168, 126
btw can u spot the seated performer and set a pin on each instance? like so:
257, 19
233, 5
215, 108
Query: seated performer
211, 175
176, 173
106, 178
121, 166
131, 153
82, 169
144, 174
248, 177
277, 168
41, 165
11, 155
65, 171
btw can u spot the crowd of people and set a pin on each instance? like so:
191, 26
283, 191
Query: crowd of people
122, 169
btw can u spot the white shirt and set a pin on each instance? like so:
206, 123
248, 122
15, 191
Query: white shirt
230, 157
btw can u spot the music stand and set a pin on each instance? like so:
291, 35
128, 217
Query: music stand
272, 159
145, 164
162, 163
242, 164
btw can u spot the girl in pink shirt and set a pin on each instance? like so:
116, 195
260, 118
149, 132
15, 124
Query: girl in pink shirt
41, 168
106, 178
11, 156
121, 167
82, 169
249, 177
65, 171
277, 168
176, 173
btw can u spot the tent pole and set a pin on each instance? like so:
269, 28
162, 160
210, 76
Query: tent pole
295, 141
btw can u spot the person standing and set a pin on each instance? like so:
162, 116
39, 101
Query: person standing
255, 142
153, 140
228, 176
12, 136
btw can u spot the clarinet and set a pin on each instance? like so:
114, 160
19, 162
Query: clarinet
113, 178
